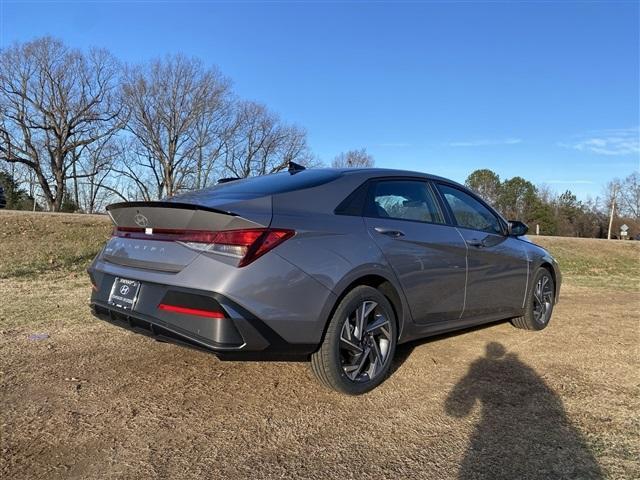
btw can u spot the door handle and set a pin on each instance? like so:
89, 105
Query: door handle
390, 232
474, 242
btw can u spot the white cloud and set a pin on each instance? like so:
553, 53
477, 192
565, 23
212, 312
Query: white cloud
622, 141
485, 142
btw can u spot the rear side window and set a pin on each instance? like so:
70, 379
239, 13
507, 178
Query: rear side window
355, 202
404, 200
469, 212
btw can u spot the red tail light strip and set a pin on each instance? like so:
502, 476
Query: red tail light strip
190, 311
166, 234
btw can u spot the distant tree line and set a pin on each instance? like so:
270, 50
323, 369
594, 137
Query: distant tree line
562, 214
80, 129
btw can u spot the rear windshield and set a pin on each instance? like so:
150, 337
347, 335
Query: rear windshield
271, 184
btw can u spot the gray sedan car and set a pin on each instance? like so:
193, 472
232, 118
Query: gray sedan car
333, 265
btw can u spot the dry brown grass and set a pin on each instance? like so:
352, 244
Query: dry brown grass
34, 243
594, 262
93, 401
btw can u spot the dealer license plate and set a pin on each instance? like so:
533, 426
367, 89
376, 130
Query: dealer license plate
124, 293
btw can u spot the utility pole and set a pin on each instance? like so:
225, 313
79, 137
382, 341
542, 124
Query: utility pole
613, 208
32, 189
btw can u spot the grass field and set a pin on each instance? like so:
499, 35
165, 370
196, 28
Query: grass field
93, 401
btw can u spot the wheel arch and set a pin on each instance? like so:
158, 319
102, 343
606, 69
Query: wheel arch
551, 265
381, 281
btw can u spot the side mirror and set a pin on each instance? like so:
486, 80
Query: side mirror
517, 229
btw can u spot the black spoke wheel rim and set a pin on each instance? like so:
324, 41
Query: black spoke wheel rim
542, 299
365, 341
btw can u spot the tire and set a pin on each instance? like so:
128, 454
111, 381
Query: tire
540, 302
355, 360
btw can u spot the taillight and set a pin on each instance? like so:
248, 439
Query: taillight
247, 245
270, 239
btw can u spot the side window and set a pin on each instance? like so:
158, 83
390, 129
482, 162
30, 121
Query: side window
404, 200
355, 202
469, 212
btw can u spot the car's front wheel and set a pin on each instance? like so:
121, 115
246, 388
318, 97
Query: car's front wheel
539, 305
356, 353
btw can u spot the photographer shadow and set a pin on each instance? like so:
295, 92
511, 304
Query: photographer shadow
523, 431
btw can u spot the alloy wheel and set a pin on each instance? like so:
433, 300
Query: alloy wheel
365, 339
542, 299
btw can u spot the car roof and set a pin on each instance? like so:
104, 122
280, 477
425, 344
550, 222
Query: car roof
388, 172
283, 182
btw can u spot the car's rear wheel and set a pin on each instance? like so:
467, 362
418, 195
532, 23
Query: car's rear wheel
540, 301
356, 353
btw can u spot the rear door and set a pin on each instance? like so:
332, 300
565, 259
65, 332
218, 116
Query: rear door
497, 263
428, 257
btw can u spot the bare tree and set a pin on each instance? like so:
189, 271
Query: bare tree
174, 103
98, 183
54, 101
76, 131
212, 137
629, 196
353, 159
259, 143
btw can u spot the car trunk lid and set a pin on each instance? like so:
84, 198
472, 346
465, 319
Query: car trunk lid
144, 231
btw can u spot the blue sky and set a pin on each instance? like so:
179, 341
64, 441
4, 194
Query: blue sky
547, 91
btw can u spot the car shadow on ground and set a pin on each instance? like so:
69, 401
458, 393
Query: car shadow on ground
404, 350
523, 430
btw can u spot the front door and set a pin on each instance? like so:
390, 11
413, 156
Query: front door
497, 263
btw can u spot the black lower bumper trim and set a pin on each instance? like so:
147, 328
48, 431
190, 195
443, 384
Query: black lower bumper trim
137, 324
145, 327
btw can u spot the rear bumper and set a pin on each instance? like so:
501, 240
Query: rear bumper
262, 346
239, 335
271, 308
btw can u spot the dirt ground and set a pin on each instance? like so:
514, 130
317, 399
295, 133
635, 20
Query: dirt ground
95, 401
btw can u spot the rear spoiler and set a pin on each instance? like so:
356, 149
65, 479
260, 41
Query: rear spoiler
165, 204
178, 216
